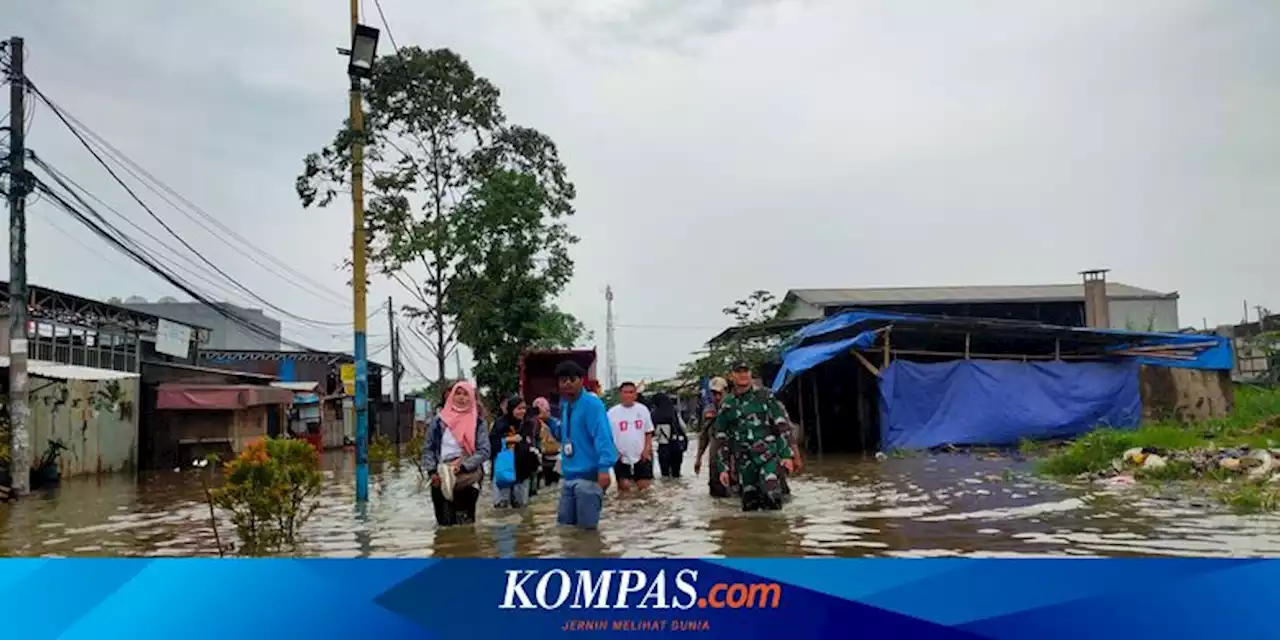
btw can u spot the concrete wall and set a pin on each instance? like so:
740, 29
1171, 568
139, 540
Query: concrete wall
225, 334
1145, 315
97, 421
1185, 394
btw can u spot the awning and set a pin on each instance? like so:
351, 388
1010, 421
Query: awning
298, 387
59, 371
218, 397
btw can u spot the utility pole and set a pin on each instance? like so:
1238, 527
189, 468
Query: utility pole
610, 347
19, 448
359, 276
395, 367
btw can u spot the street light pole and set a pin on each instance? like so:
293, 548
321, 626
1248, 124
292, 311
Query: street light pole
359, 246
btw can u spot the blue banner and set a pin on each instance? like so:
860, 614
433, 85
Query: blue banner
191, 599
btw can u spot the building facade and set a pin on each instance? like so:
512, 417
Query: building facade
224, 333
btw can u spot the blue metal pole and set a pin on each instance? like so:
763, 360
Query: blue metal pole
359, 247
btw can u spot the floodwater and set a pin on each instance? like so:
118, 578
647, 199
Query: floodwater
941, 505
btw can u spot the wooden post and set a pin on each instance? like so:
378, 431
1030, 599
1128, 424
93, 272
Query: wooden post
800, 403
1057, 348
966, 345
887, 334
817, 413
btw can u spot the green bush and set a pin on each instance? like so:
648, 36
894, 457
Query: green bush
271, 489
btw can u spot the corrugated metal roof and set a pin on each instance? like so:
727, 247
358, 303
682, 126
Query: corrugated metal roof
931, 295
59, 371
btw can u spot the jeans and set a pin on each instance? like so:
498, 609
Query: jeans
580, 504
517, 495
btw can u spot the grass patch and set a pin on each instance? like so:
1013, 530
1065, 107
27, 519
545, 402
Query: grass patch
1254, 423
1250, 497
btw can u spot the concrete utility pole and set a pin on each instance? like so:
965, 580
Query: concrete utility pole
359, 276
395, 367
610, 347
20, 446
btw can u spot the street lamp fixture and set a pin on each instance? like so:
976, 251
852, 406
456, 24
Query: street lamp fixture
364, 49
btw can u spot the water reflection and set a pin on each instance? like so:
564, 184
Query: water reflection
926, 506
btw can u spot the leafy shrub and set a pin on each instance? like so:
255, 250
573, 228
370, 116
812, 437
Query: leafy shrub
382, 449
271, 489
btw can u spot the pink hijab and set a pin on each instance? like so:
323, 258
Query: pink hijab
462, 422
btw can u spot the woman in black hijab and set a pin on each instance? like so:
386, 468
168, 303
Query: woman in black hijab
516, 430
669, 434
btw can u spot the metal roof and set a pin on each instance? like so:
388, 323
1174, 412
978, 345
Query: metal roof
59, 371
968, 294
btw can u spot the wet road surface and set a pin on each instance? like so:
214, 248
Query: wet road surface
943, 505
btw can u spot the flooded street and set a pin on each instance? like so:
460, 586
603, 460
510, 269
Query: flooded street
843, 506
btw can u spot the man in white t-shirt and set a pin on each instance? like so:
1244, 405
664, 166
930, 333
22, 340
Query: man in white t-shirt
633, 436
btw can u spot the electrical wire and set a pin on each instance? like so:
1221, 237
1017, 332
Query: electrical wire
129, 247
166, 226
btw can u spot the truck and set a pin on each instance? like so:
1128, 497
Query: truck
538, 374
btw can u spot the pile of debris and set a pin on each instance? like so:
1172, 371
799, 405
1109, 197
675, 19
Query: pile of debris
1251, 464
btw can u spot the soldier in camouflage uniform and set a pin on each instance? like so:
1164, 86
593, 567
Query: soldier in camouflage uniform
707, 441
754, 427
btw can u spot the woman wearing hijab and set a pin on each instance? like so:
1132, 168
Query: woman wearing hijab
515, 431
549, 448
456, 447
669, 434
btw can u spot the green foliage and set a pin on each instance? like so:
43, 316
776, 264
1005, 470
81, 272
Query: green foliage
413, 449
755, 348
472, 205
271, 489
382, 449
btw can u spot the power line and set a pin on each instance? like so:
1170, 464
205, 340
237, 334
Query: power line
124, 243
165, 225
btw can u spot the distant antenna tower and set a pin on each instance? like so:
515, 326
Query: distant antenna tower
610, 347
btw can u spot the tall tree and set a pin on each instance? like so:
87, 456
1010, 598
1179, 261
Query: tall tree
752, 343
451, 182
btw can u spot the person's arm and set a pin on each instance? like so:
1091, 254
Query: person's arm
602, 436
429, 457
781, 426
476, 460
647, 453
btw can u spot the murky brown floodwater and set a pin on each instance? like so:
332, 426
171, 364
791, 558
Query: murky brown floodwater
927, 506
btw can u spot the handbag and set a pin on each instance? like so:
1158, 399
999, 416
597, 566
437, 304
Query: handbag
504, 469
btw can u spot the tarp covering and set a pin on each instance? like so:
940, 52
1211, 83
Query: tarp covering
799, 360
992, 402
1194, 351
218, 397
1205, 351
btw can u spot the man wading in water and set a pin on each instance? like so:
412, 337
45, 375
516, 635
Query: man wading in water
718, 461
754, 426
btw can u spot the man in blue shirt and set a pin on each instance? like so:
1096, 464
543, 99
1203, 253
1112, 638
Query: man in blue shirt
587, 452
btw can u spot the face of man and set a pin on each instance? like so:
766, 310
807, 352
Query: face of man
570, 386
741, 378
717, 397
628, 394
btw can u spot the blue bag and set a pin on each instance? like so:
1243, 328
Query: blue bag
504, 469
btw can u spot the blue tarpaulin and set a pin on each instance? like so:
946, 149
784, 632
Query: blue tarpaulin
991, 402
802, 359
1200, 351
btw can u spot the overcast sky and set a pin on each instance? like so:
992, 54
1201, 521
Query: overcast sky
718, 146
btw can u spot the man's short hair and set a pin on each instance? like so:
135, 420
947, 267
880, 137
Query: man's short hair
570, 369
625, 385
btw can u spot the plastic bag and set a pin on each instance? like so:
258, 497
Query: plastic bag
504, 469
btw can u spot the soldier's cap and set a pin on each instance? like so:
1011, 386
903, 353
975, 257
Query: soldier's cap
739, 366
718, 384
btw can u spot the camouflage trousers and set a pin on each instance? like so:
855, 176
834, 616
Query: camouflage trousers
759, 474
